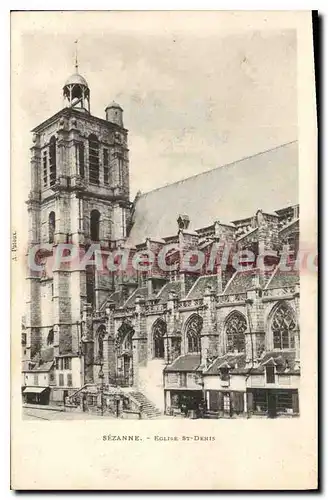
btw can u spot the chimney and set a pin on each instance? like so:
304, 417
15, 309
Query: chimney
183, 221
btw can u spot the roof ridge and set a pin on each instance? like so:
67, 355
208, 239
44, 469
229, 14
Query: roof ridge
220, 166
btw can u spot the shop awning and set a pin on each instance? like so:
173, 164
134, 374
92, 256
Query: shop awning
34, 390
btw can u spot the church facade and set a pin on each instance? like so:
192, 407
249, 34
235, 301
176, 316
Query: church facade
202, 319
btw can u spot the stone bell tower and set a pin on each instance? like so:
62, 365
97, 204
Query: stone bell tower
79, 177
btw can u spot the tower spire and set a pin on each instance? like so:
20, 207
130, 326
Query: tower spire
76, 61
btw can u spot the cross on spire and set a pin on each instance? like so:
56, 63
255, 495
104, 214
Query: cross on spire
76, 61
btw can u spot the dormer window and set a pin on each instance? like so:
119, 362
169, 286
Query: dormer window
224, 373
270, 374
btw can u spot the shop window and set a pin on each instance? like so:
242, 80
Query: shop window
260, 403
235, 329
285, 402
270, 374
193, 330
226, 402
283, 328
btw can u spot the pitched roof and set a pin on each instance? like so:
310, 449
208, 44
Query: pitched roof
197, 291
173, 286
44, 367
267, 181
282, 279
240, 282
185, 363
139, 292
282, 359
233, 360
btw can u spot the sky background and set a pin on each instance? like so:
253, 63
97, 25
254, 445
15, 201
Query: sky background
192, 101
194, 96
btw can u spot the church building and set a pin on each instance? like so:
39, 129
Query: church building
205, 338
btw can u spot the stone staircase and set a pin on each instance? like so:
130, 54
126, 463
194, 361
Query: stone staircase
147, 408
211, 414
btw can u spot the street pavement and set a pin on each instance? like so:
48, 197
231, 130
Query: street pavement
39, 414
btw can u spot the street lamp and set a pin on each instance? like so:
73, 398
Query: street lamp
101, 376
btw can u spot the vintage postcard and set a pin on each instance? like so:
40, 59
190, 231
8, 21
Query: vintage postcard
164, 253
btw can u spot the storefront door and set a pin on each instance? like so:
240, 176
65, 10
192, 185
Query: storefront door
226, 404
272, 404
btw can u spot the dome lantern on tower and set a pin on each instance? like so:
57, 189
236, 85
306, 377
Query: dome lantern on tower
76, 90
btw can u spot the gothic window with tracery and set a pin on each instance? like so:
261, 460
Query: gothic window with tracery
124, 337
236, 327
159, 331
283, 328
194, 328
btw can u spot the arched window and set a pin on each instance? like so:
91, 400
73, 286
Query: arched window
94, 225
235, 329
52, 161
93, 159
193, 329
50, 338
123, 341
52, 226
100, 341
159, 331
283, 327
